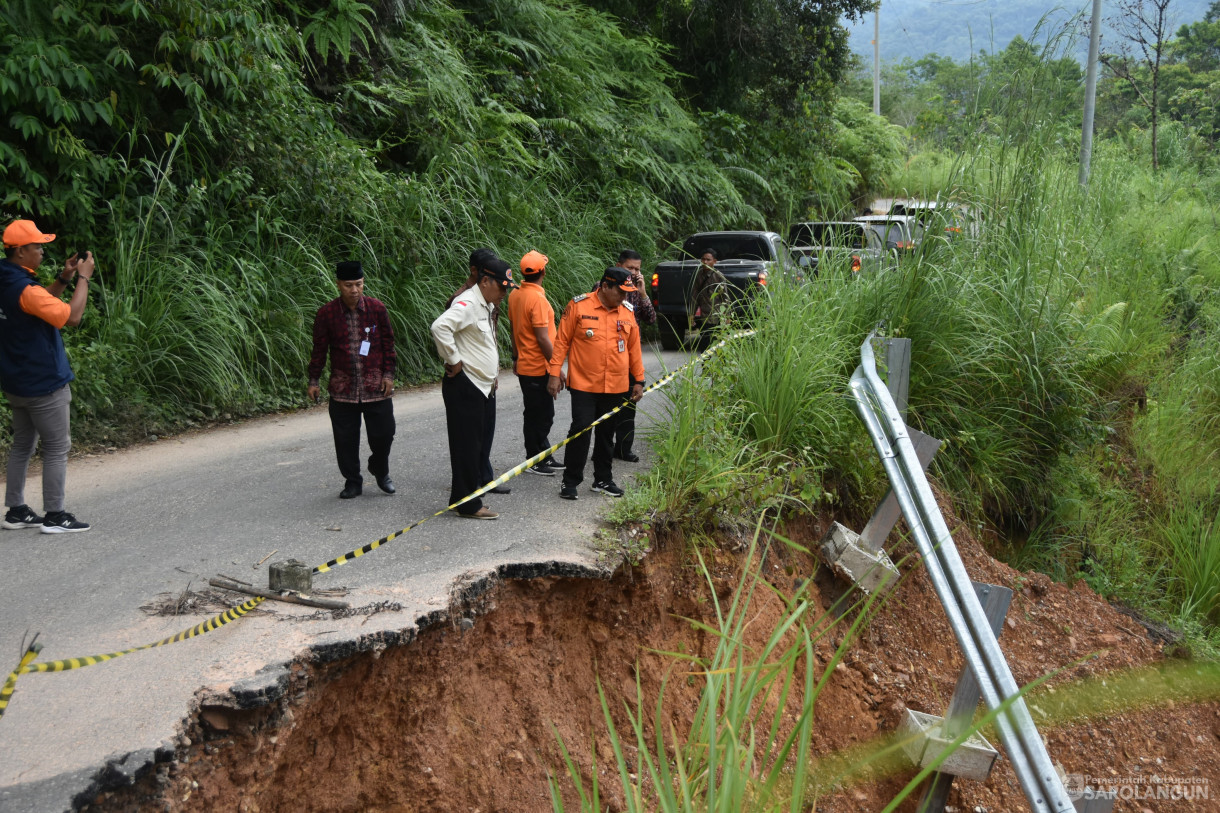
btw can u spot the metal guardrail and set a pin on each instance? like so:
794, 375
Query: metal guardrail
885, 424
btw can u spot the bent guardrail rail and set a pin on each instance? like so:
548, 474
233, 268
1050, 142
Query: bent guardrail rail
1032, 764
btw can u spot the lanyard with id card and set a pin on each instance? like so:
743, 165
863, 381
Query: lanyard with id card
622, 345
364, 345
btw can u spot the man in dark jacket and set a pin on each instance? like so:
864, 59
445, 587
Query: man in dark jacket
355, 330
645, 314
34, 372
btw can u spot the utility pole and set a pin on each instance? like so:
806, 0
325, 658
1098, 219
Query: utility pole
1090, 94
877, 60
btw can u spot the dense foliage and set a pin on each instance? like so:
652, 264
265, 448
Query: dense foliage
218, 157
1066, 354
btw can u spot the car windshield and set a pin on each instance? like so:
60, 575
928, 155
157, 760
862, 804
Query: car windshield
890, 233
729, 246
843, 235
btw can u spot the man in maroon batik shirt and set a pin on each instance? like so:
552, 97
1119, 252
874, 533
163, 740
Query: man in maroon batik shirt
355, 330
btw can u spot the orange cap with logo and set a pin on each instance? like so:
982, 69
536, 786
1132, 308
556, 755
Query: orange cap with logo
24, 232
533, 262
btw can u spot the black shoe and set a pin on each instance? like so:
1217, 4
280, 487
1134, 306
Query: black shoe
386, 484
351, 490
569, 493
501, 490
607, 487
61, 522
630, 457
552, 463
21, 516
541, 468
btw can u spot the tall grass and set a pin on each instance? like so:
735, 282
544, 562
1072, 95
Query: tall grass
1065, 357
1192, 551
748, 744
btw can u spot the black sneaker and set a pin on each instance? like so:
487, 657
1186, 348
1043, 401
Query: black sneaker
541, 468
551, 462
569, 493
61, 522
21, 516
607, 487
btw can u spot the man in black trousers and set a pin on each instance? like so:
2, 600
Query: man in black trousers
355, 331
466, 341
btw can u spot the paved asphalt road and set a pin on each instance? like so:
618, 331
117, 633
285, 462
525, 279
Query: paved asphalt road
176, 512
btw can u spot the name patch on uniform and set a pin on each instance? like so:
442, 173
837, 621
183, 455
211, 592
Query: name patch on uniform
593, 318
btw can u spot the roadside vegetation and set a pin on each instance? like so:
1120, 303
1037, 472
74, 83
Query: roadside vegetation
1066, 356
219, 158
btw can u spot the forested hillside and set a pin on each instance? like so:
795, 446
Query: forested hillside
219, 157
950, 28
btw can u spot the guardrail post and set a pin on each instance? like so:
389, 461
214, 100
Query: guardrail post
898, 365
1043, 787
873, 537
995, 600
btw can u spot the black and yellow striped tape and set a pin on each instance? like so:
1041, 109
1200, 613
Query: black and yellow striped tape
27, 664
10, 683
216, 622
521, 467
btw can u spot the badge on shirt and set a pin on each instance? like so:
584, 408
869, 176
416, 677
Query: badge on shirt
622, 346
364, 345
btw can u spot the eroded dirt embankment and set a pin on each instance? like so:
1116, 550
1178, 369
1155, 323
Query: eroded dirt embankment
465, 718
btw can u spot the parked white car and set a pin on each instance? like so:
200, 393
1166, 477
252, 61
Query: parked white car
822, 246
899, 233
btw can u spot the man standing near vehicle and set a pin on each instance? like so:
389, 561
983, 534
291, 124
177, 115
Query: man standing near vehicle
34, 372
533, 329
355, 330
477, 258
600, 340
645, 314
466, 341
710, 289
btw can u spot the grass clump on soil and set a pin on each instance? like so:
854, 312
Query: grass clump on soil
748, 743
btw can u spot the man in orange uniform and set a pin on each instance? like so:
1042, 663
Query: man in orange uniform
533, 334
600, 340
34, 371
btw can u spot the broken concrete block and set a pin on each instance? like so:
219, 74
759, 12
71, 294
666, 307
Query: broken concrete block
290, 575
869, 571
922, 743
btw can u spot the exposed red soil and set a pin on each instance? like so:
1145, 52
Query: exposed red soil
466, 720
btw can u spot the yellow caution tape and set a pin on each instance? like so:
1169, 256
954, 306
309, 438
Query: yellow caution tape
27, 664
215, 622
10, 683
521, 467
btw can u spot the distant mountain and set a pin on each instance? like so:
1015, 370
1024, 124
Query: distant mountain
958, 28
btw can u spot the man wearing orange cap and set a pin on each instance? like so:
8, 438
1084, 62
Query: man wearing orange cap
34, 372
533, 330
600, 340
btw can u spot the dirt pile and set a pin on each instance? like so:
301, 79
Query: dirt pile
465, 719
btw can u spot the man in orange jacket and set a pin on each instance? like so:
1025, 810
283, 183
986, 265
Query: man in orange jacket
533, 331
600, 340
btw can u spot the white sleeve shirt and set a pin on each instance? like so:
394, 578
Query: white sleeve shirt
465, 332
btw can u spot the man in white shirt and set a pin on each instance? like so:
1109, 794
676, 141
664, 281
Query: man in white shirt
465, 336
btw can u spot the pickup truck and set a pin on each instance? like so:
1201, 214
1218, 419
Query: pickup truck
823, 247
745, 258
